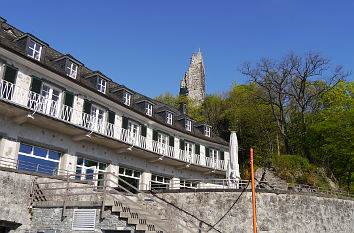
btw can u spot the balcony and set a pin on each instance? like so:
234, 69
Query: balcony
36, 103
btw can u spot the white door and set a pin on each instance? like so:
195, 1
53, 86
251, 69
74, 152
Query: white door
162, 140
96, 120
51, 100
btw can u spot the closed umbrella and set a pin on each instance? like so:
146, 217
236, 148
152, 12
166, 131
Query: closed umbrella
233, 169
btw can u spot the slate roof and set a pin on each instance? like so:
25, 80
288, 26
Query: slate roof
8, 36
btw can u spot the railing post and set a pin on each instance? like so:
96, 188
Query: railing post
104, 194
66, 194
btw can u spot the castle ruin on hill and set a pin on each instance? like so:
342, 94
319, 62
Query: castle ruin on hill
193, 82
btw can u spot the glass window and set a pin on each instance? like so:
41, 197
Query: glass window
169, 118
131, 177
188, 125
148, 109
133, 128
160, 182
207, 131
101, 85
214, 153
34, 50
90, 169
127, 98
37, 159
188, 147
51, 99
71, 70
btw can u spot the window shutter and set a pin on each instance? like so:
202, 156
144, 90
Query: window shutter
171, 141
69, 99
207, 152
125, 123
36, 85
87, 107
143, 130
181, 144
197, 149
84, 220
221, 155
155, 135
10, 74
111, 117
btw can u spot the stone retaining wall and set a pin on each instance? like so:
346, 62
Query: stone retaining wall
276, 213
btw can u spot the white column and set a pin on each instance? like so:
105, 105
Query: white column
145, 181
77, 110
175, 183
8, 153
67, 164
112, 178
149, 138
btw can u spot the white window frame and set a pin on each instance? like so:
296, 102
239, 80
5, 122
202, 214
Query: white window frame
49, 106
165, 180
133, 128
130, 176
148, 108
188, 125
35, 50
189, 147
97, 117
207, 131
101, 84
96, 169
72, 68
127, 98
214, 153
169, 118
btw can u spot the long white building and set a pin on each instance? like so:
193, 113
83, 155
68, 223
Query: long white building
58, 116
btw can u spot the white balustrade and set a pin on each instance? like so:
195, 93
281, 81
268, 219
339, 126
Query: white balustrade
38, 103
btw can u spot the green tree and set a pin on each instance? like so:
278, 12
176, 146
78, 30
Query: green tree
332, 133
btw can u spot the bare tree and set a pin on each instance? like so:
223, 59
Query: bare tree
294, 83
311, 78
274, 80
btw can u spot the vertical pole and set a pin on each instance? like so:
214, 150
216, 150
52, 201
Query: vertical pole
253, 196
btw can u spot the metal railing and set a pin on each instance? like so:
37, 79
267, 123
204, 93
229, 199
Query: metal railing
224, 184
30, 167
144, 206
38, 103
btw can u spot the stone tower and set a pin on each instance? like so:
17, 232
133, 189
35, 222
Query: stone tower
193, 82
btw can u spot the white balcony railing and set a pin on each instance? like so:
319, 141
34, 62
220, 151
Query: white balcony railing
38, 103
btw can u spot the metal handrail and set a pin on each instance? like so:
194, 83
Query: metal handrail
38, 103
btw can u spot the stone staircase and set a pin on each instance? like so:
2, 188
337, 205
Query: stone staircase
144, 219
138, 209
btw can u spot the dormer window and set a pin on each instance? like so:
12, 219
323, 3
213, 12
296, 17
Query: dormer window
148, 109
188, 125
101, 85
34, 50
127, 98
71, 70
169, 118
207, 131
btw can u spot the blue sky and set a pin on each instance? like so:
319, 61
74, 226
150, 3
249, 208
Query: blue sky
146, 45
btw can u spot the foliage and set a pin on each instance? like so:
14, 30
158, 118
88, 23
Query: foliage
287, 109
332, 133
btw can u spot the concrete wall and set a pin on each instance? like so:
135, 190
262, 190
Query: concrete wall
276, 213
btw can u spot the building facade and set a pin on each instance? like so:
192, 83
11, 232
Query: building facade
57, 116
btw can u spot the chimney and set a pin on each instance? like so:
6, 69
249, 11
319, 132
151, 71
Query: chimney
183, 108
2, 20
